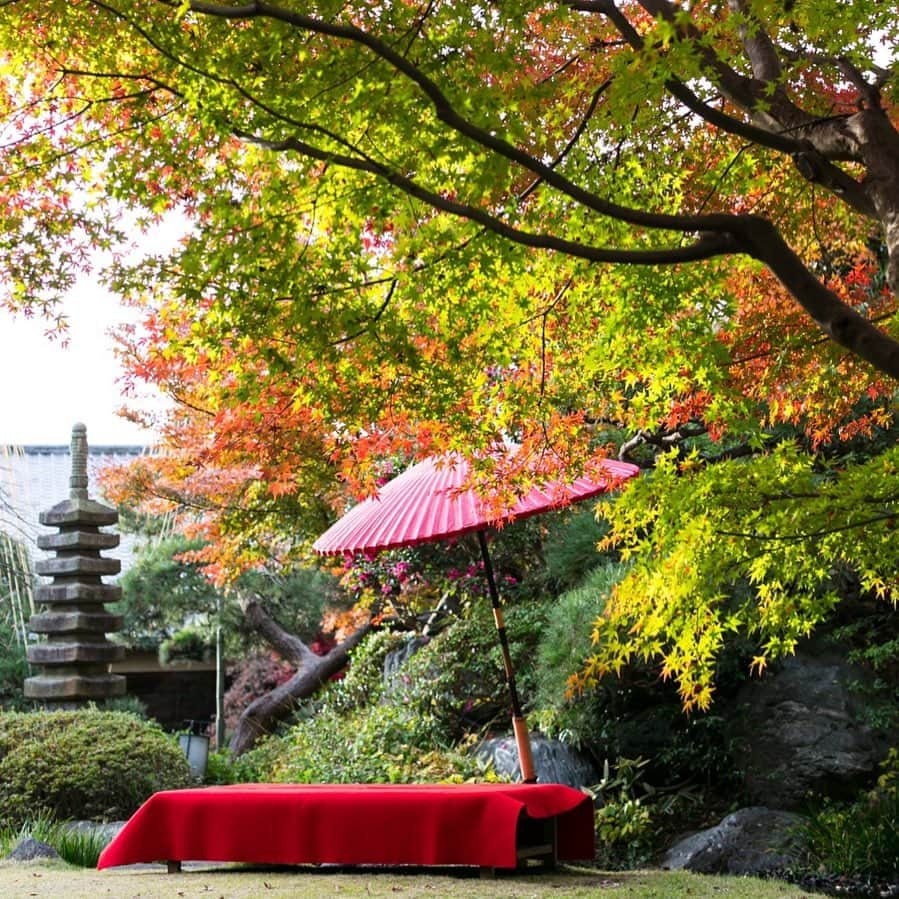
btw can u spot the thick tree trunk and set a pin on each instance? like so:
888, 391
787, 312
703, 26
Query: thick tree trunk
262, 715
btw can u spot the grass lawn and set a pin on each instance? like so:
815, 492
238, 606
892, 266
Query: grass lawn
54, 880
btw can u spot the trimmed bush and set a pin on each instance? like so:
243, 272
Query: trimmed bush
83, 764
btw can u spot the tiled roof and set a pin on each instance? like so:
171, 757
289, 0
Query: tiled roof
33, 479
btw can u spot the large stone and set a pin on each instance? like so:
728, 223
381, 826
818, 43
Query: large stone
554, 762
749, 841
801, 732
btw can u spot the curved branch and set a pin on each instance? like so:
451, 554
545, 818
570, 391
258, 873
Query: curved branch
839, 321
788, 128
448, 114
262, 715
716, 242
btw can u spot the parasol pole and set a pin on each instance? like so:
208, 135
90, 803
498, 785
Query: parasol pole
519, 725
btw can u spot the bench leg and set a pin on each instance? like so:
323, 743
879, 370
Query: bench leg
173, 867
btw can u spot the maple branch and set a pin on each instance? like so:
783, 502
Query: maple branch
373, 320
575, 137
265, 712
449, 115
811, 151
707, 246
719, 234
811, 535
841, 322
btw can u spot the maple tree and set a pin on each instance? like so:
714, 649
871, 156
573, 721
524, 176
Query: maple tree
426, 226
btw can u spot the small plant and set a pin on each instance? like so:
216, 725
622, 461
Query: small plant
79, 847
191, 644
624, 833
76, 845
624, 825
860, 839
628, 819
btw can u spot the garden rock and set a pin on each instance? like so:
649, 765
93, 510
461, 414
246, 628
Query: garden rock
106, 830
554, 762
800, 731
28, 849
396, 658
752, 841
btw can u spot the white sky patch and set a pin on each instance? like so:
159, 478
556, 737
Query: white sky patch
46, 387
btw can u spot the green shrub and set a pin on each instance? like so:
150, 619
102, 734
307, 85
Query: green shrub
570, 550
861, 839
379, 744
565, 643
364, 680
458, 679
190, 644
83, 764
251, 767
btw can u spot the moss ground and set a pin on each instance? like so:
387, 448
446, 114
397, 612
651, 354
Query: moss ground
54, 880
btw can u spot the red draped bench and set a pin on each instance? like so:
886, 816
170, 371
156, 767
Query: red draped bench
483, 825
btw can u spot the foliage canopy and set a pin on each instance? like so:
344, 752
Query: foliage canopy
418, 226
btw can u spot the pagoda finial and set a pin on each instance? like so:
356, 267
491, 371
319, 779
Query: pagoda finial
78, 478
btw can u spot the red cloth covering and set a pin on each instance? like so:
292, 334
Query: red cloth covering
350, 824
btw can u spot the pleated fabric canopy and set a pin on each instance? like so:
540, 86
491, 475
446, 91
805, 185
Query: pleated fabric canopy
427, 502
432, 501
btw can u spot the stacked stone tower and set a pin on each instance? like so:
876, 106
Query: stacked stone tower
75, 656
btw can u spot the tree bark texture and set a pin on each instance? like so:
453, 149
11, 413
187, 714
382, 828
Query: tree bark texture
262, 715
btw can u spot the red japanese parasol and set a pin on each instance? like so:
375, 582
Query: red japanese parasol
431, 501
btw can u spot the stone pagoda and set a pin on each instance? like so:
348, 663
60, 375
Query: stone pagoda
74, 658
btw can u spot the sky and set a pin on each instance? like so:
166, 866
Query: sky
46, 387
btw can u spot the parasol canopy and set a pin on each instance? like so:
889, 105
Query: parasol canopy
433, 501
